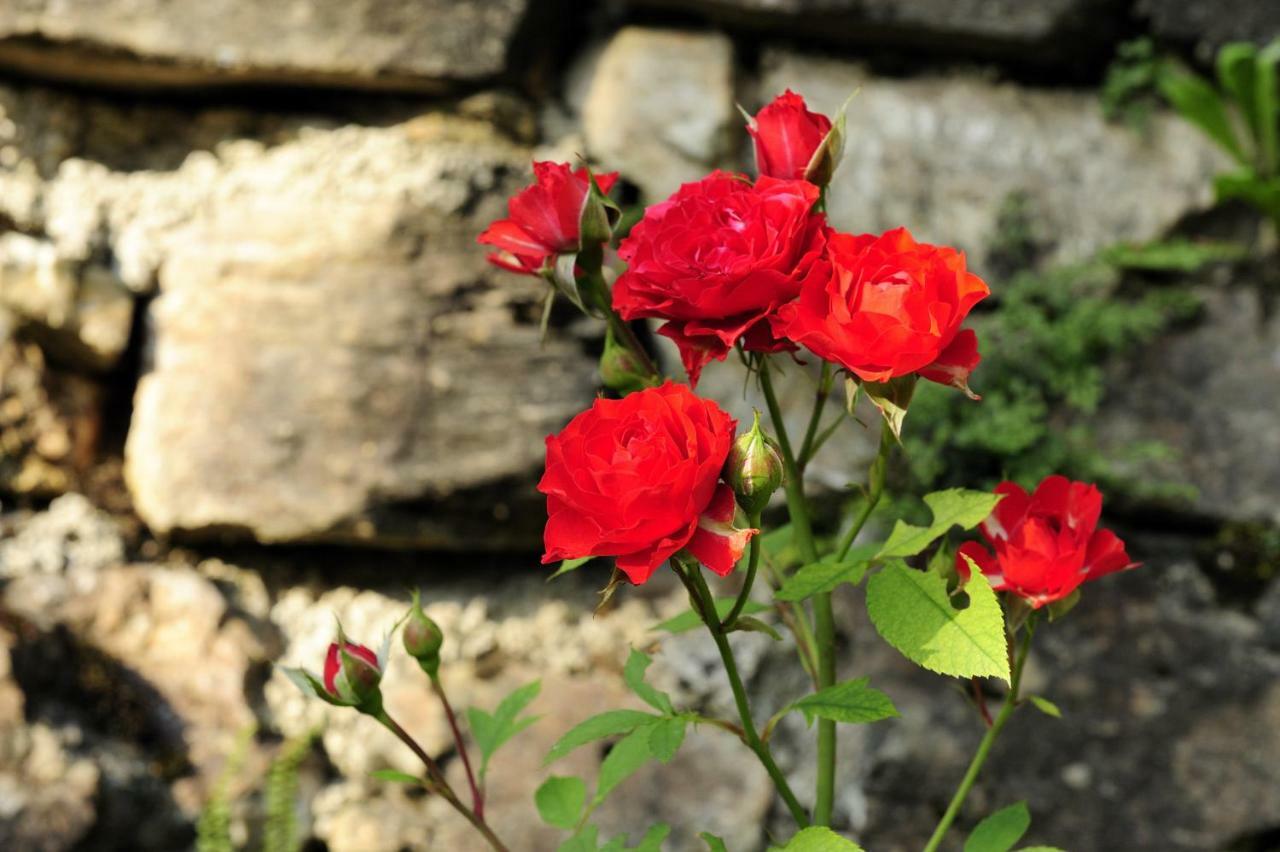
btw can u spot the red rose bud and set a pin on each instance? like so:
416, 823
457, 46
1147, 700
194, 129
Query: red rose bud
717, 259
423, 638
793, 143
545, 219
352, 673
1046, 544
638, 478
889, 307
754, 469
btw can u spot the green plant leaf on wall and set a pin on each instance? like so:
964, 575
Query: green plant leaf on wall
959, 507
912, 612
818, 839
1202, 105
492, 730
851, 702
714, 844
999, 831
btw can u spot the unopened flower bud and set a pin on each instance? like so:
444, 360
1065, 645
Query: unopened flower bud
754, 468
423, 638
352, 674
621, 369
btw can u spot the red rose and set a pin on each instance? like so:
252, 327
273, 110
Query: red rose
638, 478
544, 220
362, 674
717, 259
786, 136
889, 307
1046, 544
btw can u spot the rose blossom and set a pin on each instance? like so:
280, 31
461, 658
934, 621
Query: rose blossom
786, 136
638, 478
365, 679
544, 218
717, 259
889, 307
1046, 544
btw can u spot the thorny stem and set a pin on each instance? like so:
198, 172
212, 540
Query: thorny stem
701, 596
436, 782
477, 794
984, 747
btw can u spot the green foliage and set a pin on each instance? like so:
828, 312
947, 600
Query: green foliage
395, 776
852, 702
280, 833
633, 674
1045, 706
1175, 255
953, 507
610, 723
213, 828
666, 737
570, 565
492, 730
998, 832
912, 612
818, 839
689, 620
1129, 89
819, 577
714, 844
560, 800
1044, 351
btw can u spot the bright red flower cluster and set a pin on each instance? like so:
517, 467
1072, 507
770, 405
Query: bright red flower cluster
1045, 544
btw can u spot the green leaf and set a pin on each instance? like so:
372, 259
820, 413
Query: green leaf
607, 724
396, 776
1041, 849
714, 844
570, 565
586, 840
628, 754
1237, 67
492, 730
892, 398
1267, 107
818, 577
852, 701
1174, 255
912, 612
560, 800
633, 674
953, 507
778, 546
820, 839
665, 738
652, 840
998, 832
1202, 105
1046, 706
748, 624
689, 620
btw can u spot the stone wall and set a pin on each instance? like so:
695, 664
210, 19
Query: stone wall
254, 371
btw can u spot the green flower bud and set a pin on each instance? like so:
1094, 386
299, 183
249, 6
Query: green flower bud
352, 674
621, 370
754, 468
423, 638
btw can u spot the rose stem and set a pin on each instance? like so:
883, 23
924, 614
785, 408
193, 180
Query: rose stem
441, 786
823, 617
984, 747
753, 562
807, 448
701, 596
477, 796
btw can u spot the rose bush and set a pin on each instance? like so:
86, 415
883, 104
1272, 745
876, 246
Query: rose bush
1045, 544
716, 260
639, 479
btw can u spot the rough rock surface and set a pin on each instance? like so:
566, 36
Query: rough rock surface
659, 107
1209, 24
1210, 392
1042, 32
49, 421
942, 155
325, 322
80, 312
396, 44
